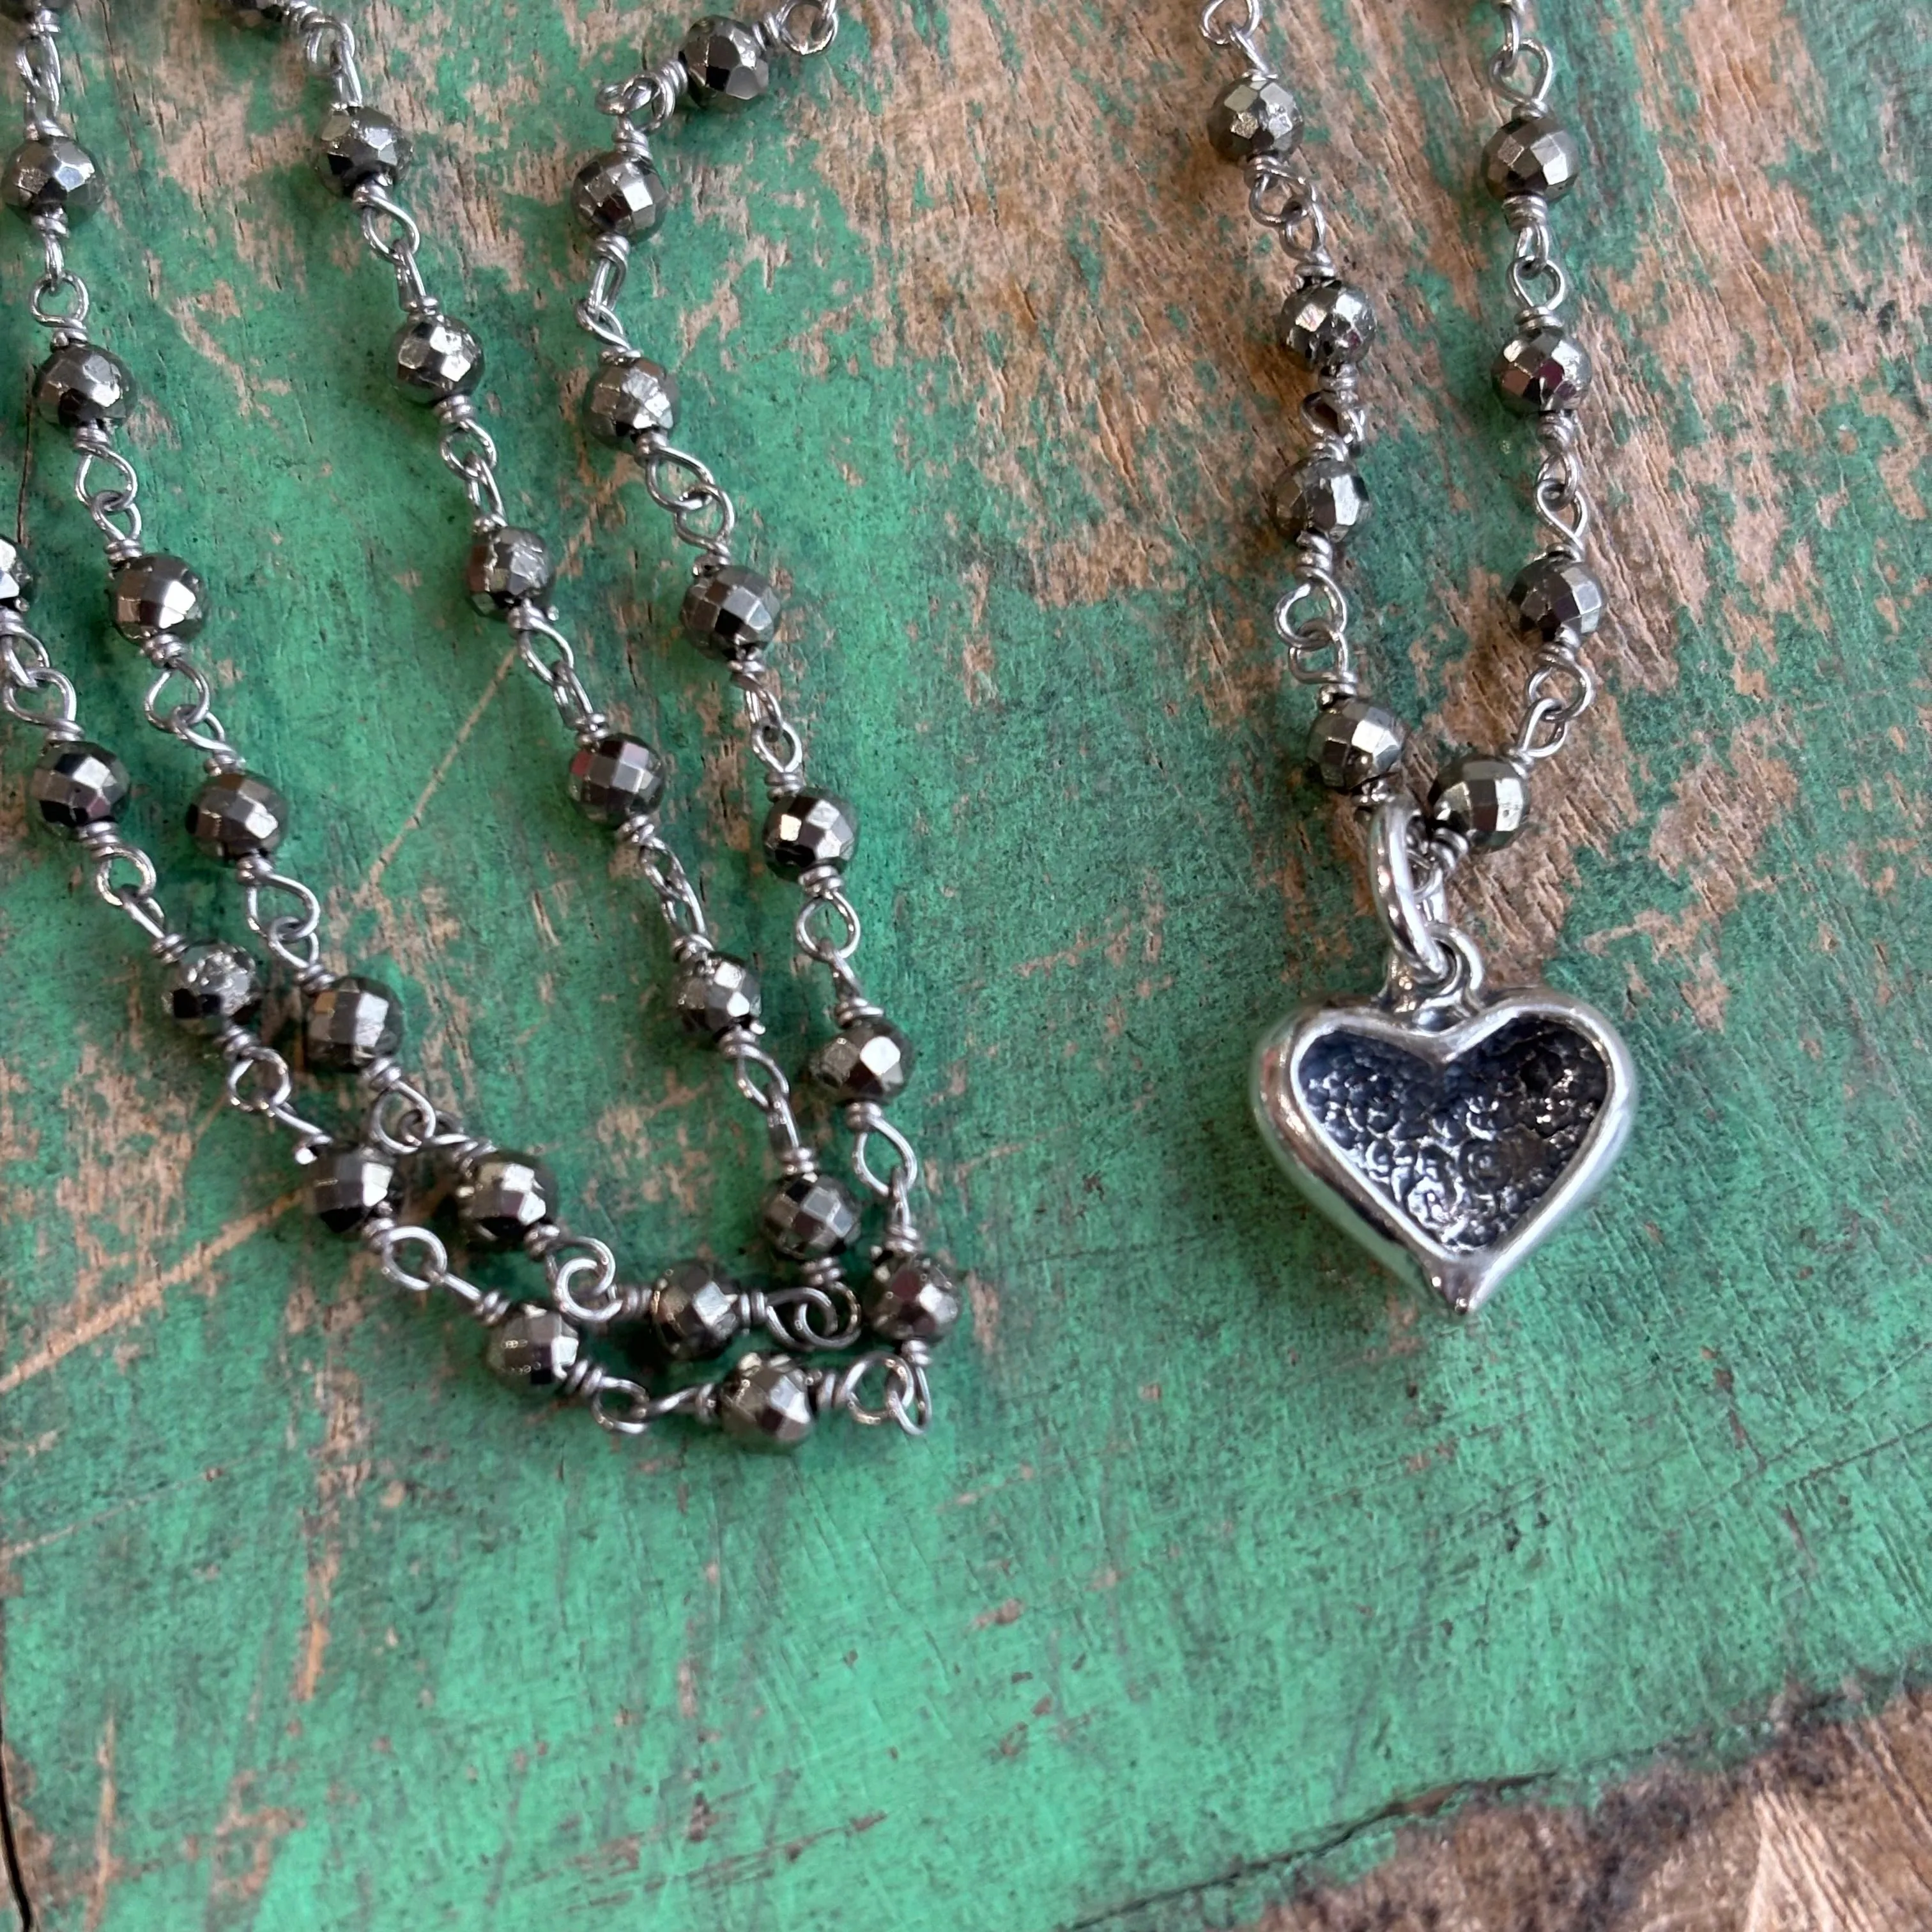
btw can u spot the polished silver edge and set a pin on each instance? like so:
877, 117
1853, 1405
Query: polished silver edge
1333, 1185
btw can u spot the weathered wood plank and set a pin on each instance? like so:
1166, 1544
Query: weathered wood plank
1828, 1829
1224, 1553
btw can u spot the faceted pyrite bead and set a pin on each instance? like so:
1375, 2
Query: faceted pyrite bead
48, 174
351, 1024
77, 783
506, 567
731, 612
211, 985
870, 1059
911, 1298
628, 396
436, 358
1320, 495
716, 994
617, 779
156, 596
79, 385
1544, 371
619, 194
533, 1348
1352, 742
17, 580
501, 1196
1254, 117
1531, 154
727, 65
348, 1187
1323, 323
357, 145
1486, 799
809, 829
236, 815
1555, 593
808, 1216
694, 1311
766, 1401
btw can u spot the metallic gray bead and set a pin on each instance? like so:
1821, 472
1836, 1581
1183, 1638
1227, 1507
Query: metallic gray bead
809, 1216
1553, 594
79, 385
16, 578
357, 145
911, 1298
236, 815
49, 174
1323, 323
615, 779
619, 194
77, 783
694, 1311
1353, 742
436, 358
501, 1196
766, 1401
715, 994
1531, 154
870, 1059
627, 398
1542, 371
1253, 118
25, 10
731, 612
809, 829
156, 596
348, 1187
1486, 799
213, 985
352, 1024
727, 65
1320, 495
507, 567
534, 1349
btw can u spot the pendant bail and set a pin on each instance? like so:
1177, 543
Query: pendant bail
1416, 920
1435, 968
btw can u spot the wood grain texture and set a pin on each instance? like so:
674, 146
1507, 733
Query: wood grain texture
1225, 1559
1827, 1832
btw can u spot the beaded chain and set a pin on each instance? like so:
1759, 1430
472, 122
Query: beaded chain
361, 1176
1478, 802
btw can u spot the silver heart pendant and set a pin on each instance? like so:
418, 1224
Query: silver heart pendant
1450, 1151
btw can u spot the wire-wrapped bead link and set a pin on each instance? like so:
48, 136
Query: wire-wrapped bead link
1529, 162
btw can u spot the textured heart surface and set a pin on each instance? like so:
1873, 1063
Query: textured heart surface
1464, 1150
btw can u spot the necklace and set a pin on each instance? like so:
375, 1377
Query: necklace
1448, 1127
362, 1173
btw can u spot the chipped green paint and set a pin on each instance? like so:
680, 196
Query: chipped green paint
1223, 1551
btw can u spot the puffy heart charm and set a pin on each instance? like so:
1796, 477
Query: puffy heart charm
1450, 1152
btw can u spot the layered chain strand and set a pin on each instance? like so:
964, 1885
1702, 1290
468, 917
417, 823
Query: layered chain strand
692, 1311
1477, 801
355, 1181
731, 612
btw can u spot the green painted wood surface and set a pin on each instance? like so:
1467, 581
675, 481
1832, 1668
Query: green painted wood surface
1224, 1551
